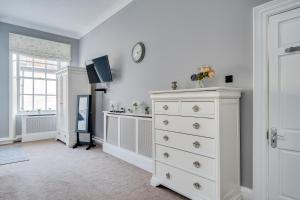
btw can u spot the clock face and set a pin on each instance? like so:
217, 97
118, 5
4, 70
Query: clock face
138, 52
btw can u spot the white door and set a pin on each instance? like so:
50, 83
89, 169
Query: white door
284, 106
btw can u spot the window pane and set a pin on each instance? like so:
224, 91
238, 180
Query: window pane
39, 65
52, 62
39, 73
25, 68
21, 86
27, 72
39, 87
39, 103
14, 56
51, 75
51, 87
28, 86
51, 103
27, 102
25, 58
14, 71
38, 60
25, 64
52, 67
21, 103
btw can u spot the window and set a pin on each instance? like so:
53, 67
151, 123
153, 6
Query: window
36, 82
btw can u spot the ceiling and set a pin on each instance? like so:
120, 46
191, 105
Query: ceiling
71, 18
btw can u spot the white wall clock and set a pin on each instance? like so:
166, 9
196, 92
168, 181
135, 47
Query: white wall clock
138, 52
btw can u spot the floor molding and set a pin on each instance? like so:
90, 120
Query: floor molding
5, 141
247, 193
38, 136
98, 140
128, 156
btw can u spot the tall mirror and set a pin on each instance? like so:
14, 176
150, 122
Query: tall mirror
83, 108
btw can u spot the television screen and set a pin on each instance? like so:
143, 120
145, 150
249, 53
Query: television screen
102, 68
92, 74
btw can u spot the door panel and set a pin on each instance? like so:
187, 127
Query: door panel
284, 106
288, 32
289, 68
290, 175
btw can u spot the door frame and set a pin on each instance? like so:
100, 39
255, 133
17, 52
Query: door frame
261, 15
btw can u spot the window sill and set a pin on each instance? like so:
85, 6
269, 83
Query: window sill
35, 114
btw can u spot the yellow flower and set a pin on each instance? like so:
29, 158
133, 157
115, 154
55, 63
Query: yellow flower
211, 73
205, 69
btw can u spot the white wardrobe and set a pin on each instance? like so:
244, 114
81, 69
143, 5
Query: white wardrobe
71, 81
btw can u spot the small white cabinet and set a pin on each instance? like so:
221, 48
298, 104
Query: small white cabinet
71, 81
196, 142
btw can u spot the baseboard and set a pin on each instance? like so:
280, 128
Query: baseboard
247, 193
98, 140
128, 156
5, 141
38, 136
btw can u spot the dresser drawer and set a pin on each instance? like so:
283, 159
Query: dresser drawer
201, 108
194, 144
166, 107
200, 165
190, 125
186, 183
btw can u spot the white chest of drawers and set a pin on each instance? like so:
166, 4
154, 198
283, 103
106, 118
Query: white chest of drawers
196, 142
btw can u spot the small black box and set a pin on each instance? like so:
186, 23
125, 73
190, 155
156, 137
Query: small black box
229, 79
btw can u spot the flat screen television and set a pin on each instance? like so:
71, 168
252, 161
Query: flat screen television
102, 68
99, 71
92, 74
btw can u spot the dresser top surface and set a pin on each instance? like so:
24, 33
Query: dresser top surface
207, 89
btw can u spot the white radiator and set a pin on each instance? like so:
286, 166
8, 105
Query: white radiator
38, 127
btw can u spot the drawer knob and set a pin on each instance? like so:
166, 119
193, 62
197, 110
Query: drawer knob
166, 155
166, 122
196, 108
165, 107
197, 186
196, 125
168, 175
196, 144
166, 138
196, 164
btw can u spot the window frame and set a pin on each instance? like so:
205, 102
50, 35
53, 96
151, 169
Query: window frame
21, 94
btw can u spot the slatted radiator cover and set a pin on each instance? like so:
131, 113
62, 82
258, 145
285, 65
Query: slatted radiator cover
145, 138
112, 130
38, 124
130, 133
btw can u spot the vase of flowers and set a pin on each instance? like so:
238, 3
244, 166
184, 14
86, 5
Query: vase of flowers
205, 72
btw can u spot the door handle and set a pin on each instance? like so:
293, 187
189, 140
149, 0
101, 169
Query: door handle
292, 49
280, 137
274, 137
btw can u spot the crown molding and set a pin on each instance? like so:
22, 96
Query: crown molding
72, 34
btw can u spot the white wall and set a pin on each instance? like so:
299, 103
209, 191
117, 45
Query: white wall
179, 35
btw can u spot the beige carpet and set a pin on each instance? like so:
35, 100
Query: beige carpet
55, 172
